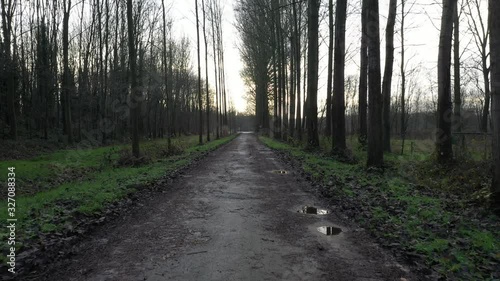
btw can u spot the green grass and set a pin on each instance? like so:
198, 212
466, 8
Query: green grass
46, 171
409, 204
53, 210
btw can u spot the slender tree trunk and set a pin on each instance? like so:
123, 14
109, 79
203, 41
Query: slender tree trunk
298, 123
444, 111
66, 87
206, 68
403, 79
363, 76
328, 127
312, 74
200, 104
338, 132
135, 95
213, 19
165, 72
292, 86
375, 137
387, 82
7, 15
457, 99
494, 10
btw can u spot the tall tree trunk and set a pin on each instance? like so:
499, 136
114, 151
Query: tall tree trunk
8, 7
403, 79
443, 131
292, 85
457, 99
328, 127
375, 137
298, 123
312, 74
206, 68
363, 76
494, 11
134, 91
387, 82
213, 19
66, 87
200, 104
338, 131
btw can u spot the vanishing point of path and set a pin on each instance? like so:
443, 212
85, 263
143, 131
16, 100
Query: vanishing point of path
229, 218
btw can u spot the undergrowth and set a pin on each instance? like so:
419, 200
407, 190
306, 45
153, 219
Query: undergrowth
436, 215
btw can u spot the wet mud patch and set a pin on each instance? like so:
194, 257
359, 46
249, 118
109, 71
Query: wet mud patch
329, 230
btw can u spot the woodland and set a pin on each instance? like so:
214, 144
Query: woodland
410, 153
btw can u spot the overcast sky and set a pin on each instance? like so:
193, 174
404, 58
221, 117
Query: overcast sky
422, 36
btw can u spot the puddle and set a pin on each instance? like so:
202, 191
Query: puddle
313, 210
279, 172
329, 230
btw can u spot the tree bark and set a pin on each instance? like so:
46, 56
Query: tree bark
457, 98
134, 91
363, 77
312, 74
206, 68
338, 130
328, 127
7, 15
375, 137
494, 10
66, 87
387, 81
443, 131
403, 79
200, 104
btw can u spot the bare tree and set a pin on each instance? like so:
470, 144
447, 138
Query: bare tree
206, 67
312, 74
494, 25
375, 137
338, 131
8, 7
66, 81
331, 35
389, 63
134, 91
443, 131
363, 76
481, 33
200, 104
457, 96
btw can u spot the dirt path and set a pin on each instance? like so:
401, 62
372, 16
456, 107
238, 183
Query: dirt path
229, 218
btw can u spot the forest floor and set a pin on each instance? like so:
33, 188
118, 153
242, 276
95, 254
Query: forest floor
433, 216
234, 215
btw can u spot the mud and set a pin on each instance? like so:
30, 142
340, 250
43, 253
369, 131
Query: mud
229, 218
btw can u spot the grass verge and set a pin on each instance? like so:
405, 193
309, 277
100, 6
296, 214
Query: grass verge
58, 210
448, 232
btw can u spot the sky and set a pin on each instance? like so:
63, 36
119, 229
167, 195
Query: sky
184, 18
421, 41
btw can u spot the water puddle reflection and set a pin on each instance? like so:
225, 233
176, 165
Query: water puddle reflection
329, 230
313, 210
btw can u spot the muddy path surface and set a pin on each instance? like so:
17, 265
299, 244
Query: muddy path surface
231, 217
